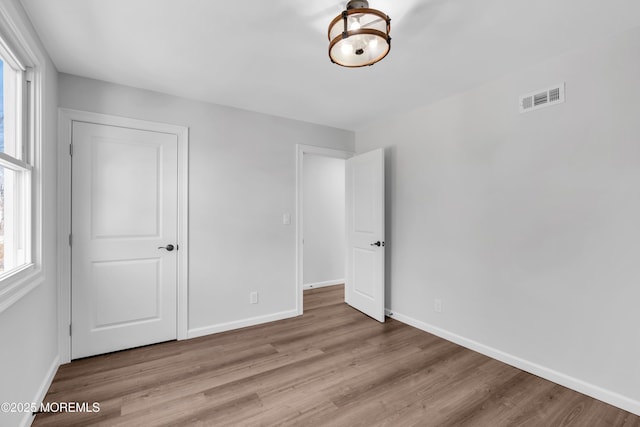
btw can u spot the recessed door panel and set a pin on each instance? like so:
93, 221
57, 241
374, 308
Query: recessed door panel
364, 199
364, 275
113, 165
126, 292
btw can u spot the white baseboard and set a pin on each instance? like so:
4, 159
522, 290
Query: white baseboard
28, 418
576, 384
222, 327
323, 284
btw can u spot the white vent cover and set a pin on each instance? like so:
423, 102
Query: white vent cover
542, 98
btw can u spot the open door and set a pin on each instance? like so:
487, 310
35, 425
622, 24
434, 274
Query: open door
364, 287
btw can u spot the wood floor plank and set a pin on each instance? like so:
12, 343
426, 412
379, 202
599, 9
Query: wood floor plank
333, 366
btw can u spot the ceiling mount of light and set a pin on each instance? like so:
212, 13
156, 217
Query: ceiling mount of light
359, 36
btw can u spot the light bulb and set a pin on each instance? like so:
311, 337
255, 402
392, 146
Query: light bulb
355, 25
346, 48
373, 43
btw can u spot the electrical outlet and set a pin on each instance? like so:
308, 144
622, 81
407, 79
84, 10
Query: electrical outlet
437, 305
253, 297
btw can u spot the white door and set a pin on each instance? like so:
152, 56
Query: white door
364, 287
124, 217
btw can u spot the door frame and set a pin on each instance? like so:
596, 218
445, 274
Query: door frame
301, 150
66, 117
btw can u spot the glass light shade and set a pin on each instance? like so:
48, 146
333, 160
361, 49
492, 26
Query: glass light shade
359, 37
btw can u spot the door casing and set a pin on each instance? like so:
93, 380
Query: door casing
66, 117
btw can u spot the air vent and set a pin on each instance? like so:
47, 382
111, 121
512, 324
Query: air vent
539, 99
542, 98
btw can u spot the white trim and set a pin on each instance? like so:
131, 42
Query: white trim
565, 380
64, 229
323, 284
9, 57
13, 163
65, 119
183, 234
237, 324
301, 150
20, 283
24, 50
28, 418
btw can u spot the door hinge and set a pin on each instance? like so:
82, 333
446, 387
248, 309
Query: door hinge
71, 150
69, 329
70, 239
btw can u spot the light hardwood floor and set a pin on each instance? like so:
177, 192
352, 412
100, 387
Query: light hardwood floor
333, 366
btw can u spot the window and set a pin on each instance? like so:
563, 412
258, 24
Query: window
15, 165
24, 83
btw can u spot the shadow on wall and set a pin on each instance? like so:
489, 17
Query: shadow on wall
389, 177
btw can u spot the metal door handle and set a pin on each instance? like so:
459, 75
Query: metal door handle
168, 247
378, 243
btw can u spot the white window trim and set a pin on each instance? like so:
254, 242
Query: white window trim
28, 51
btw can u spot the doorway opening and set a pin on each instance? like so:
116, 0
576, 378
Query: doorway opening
320, 213
323, 234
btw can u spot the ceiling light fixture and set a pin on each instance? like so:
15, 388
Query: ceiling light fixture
359, 36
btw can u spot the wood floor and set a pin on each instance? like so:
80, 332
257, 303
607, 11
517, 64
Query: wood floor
333, 366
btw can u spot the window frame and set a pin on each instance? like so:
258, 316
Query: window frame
21, 50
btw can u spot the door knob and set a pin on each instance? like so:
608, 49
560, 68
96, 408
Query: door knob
378, 243
168, 247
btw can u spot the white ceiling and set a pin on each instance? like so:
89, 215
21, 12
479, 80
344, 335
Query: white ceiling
270, 56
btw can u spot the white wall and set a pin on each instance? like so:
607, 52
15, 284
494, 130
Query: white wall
324, 220
527, 226
28, 328
241, 182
